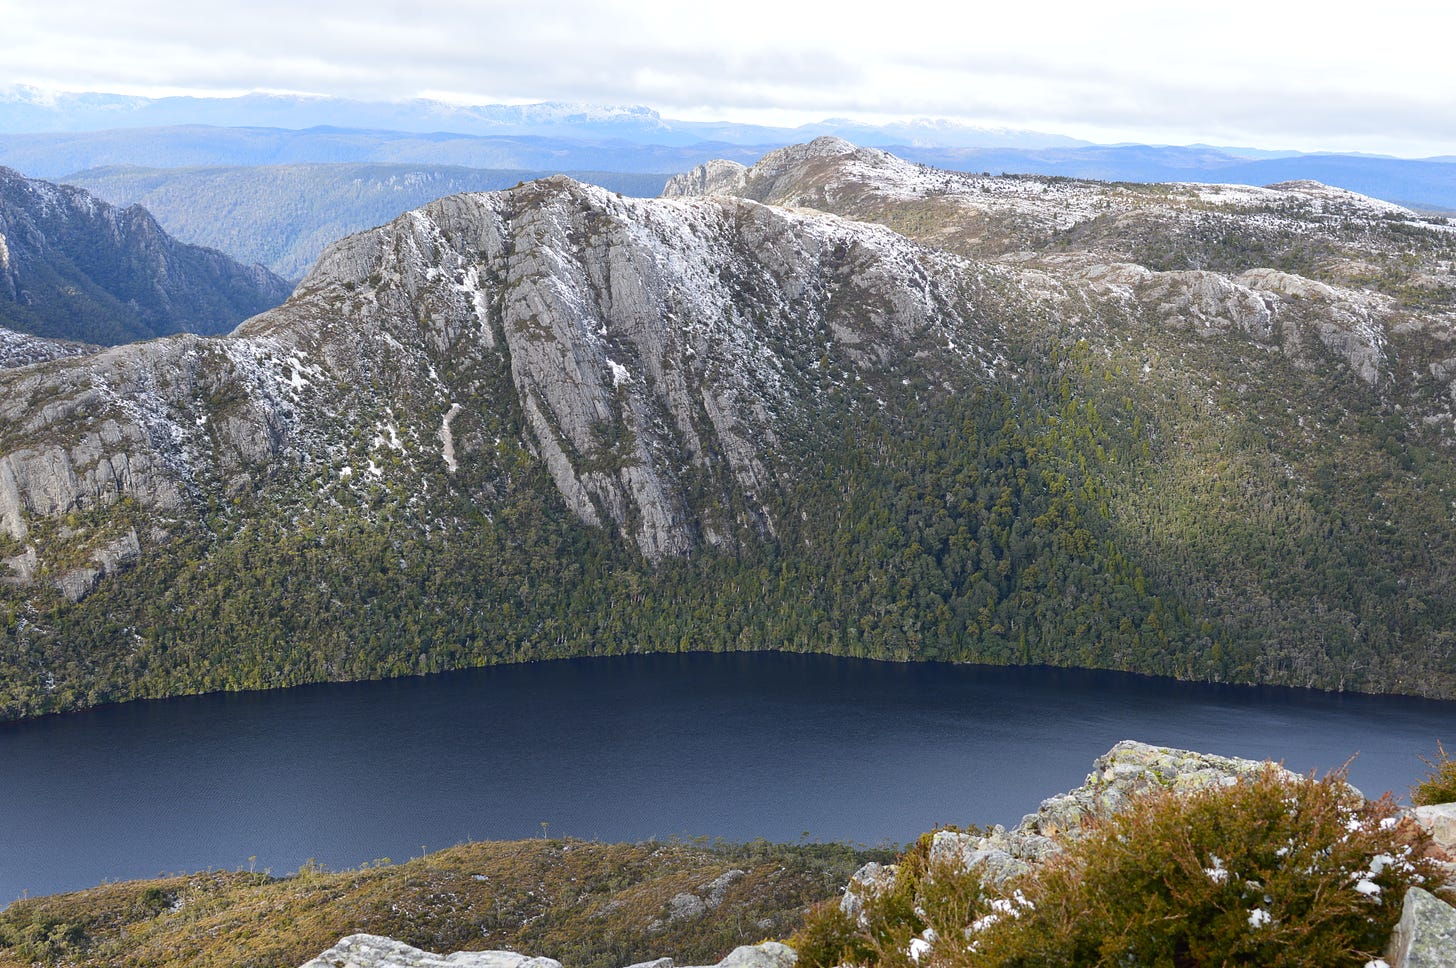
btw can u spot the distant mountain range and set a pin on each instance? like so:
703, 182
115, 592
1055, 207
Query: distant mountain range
53, 135
25, 109
56, 155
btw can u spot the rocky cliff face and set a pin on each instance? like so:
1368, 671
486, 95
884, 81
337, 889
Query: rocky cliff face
649, 345
73, 267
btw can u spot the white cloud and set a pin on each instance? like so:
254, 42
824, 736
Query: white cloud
1268, 73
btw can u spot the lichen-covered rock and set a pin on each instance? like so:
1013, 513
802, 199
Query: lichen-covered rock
868, 881
705, 898
1425, 937
1439, 820
684, 907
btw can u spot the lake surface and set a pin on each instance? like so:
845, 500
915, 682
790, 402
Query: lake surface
736, 746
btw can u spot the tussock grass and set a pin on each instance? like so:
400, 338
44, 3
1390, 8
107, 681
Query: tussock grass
587, 904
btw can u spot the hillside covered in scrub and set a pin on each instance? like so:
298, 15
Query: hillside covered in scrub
833, 402
595, 905
73, 267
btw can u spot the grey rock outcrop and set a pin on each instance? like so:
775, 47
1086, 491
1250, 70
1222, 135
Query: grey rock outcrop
694, 904
374, 951
1126, 771
22, 349
769, 954
870, 880
110, 558
1439, 820
1425, 937
792, 176
716, 177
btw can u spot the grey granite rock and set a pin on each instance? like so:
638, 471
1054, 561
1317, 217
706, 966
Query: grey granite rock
1130, 768
867, 882
373, 951
1439, 820
684, 907
1425, 937
769, 954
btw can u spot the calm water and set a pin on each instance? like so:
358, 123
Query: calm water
737, 746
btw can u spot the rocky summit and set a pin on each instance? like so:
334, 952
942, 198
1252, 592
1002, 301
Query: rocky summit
833, 401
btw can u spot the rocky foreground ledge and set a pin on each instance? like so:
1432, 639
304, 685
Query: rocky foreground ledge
372, 951
1424, 938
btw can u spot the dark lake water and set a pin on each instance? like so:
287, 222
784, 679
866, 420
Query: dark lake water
736, 746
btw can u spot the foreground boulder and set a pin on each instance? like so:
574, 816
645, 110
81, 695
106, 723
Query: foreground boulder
1426, 934
373, 951
1127, 770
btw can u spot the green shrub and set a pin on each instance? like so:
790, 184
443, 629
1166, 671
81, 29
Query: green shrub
1274, 871
924, 899
1439, 786
831, 937
1269, 871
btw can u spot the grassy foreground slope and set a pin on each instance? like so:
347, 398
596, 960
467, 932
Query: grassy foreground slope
588, 904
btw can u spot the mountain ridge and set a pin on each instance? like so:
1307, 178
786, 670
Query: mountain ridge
1021, 420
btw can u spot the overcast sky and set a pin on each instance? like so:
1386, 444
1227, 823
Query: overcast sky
1269, 74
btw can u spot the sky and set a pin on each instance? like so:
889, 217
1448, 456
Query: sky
1269, 74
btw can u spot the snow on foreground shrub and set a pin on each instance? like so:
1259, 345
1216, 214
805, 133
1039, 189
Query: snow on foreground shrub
1267, 871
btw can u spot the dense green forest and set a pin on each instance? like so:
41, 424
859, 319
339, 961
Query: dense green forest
1054, 520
